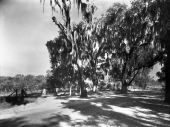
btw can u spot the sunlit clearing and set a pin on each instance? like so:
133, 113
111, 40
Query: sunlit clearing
64, 124
96, 104
164, 116
6, 116
77, 98
139, 113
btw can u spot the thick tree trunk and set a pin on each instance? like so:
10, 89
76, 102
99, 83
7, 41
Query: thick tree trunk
124, 88
167, 75
166, 40
83, 92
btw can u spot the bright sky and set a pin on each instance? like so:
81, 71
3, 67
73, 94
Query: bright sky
24, 31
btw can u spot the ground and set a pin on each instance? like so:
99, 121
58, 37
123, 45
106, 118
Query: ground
104, 109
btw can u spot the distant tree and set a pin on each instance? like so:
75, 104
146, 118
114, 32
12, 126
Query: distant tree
28, 82
19, 81
39, 81
161, 75
8, 84
142, 78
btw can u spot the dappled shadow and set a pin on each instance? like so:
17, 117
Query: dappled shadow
131, 110
56, 119
148, 94
124, 110
53, 121
17, 122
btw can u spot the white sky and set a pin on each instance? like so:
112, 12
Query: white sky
24, 31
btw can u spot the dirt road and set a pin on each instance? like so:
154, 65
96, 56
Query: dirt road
103, 111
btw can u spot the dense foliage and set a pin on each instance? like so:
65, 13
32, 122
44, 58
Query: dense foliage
27, 82
120, 44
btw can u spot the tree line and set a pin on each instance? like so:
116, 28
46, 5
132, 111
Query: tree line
26, 82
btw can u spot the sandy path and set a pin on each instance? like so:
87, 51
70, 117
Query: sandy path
42, 108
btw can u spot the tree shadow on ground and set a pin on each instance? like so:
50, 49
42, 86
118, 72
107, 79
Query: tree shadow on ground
131, 110
134, 110
23, 122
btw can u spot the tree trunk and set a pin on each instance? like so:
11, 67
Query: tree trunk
83, 92
16, 92
94, 79
94, 88
167, 75
95, 82
124, 87
70, 90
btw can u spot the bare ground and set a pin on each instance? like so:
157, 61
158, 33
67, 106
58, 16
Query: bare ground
106, 109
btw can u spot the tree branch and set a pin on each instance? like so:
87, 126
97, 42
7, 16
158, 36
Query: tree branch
133, 77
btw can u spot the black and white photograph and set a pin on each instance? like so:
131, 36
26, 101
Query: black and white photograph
84, 63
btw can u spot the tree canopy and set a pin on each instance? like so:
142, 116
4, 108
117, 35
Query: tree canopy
122, 43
